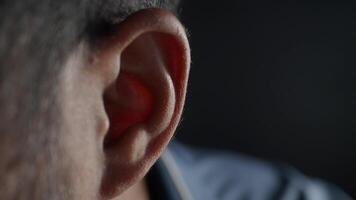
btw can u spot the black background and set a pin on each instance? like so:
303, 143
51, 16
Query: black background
275, 81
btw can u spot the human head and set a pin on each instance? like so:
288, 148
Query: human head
91, 92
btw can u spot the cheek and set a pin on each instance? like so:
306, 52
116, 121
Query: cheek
82, 147
82, 157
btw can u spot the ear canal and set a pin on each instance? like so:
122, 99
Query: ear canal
128, 102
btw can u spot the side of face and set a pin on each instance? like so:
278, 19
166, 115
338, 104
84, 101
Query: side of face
121, 101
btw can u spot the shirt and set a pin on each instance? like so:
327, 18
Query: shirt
185, 173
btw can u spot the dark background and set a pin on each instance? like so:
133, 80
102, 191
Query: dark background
275, 81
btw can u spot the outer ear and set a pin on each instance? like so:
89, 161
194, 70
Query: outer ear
144, 65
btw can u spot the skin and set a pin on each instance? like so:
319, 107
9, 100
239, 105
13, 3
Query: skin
138, 191
122, 99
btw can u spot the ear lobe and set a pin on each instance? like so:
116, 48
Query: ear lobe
144, 101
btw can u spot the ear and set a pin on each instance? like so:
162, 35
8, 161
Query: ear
144, 64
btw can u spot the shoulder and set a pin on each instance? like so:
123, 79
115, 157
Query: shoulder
225, 176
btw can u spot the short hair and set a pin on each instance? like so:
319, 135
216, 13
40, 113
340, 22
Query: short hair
36, 37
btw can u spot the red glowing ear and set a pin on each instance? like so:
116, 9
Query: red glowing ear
132, 104
144, 66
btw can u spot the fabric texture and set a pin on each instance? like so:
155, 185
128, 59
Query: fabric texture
185, 173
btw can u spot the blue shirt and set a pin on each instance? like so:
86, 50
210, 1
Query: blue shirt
183, 173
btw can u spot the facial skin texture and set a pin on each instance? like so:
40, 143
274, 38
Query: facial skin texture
134, 78
53, 120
